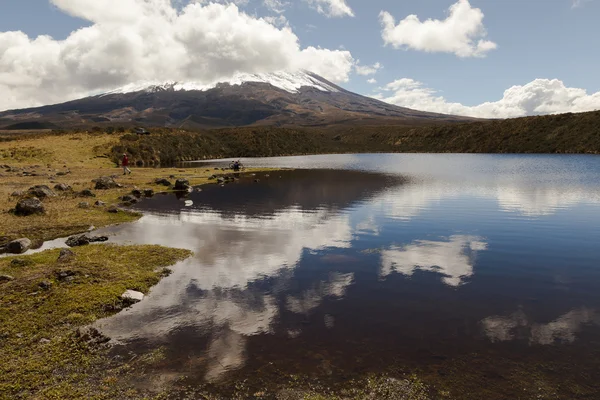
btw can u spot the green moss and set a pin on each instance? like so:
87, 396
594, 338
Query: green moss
41, 357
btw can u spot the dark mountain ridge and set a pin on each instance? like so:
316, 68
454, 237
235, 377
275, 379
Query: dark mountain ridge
280, 99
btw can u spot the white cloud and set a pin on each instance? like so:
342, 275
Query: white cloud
453, 259
151, 40
516, 326
541, 96
277, 6
578, 3
462, 33
331, 8
366, 70
372, 81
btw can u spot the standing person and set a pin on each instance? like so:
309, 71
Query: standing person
125, 164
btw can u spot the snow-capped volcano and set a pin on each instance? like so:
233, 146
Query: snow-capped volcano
279, 98
291, 82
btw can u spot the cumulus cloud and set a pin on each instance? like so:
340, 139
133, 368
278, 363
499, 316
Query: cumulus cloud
151, 40
366, 70
461, 33
331, 8
541, 96
372, 81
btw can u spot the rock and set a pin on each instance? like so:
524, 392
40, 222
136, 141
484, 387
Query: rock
18, 193
129, 199
99, 203
220, 180
267, 176
256, 180
182, 185
131, 297
172, 176
162, 181
6, 278
45, 285
84, 204
65, 276
41, 191
82, 240
87, 193
113, 210
212, 177
63, 173
91, 336
137, 193
148, 192
65, 255
62, 187
29, 207
106, 182
44, 341
19, 246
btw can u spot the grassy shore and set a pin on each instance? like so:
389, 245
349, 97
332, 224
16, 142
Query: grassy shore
46, 301
75, 160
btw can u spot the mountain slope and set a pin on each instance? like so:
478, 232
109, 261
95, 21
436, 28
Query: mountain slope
282, 99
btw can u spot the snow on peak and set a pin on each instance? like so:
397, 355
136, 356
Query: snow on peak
289, 81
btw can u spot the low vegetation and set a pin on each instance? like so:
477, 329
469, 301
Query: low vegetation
566, 133
44, 302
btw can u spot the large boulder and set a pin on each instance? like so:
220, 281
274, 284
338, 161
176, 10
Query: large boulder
29, 207
106, 182
132, 296
41, 191
19, 246
182, 185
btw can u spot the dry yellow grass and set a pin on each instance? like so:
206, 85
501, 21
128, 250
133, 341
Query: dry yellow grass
84, 155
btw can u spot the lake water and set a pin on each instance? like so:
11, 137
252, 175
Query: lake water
478, 273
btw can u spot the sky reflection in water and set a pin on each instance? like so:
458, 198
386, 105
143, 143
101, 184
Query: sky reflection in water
356, 263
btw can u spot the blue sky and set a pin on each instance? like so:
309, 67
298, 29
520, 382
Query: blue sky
546, 50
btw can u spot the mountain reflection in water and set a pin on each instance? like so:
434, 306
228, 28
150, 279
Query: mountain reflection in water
339, 273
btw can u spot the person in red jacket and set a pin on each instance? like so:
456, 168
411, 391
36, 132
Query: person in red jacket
125, 164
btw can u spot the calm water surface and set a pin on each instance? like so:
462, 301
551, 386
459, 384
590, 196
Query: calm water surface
480, 273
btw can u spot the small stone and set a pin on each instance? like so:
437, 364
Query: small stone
30, 206
62, 187
87, 193
82, 240
6, 278
63, 173
45, 285
172, 176
131, 297
65, 255
106, 182
212, 177
65, 276
182, 185
113, 210
148, 192
129, 199
41, 191
256, 180
19, 246
220, 180
137, 193
44, 341
162, 181
18, 193
99, 203
84, 204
